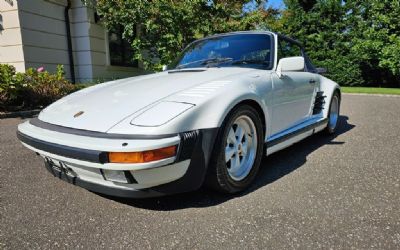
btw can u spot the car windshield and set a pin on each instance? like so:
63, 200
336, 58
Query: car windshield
237, 50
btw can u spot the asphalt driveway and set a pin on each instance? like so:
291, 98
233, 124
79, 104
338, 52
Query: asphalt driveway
337, 192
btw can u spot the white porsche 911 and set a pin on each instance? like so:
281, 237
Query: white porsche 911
228, 100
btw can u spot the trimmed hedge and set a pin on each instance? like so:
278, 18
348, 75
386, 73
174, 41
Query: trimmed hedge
36, 88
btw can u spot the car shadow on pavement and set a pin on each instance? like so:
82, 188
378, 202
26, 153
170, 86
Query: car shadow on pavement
272, 168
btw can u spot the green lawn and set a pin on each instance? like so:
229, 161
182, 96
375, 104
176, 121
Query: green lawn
366, 90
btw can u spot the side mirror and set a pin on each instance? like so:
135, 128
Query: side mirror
295, 63
321, 71
164, 67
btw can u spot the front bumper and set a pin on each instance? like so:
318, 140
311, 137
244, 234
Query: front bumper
101, 188
86, 157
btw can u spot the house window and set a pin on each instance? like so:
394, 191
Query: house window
121, 52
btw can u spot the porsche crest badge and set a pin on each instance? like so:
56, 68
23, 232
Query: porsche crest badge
78, 114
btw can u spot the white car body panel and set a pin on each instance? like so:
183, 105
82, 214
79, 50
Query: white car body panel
218, 96
292, 99
114, 101
147, 119
165, 109
113, 107
328, 87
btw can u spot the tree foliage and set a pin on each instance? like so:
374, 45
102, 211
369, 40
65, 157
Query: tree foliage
166, 27
358, 41
324, 30
376, 35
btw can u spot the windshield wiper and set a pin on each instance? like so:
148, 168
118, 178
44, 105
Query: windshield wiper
206, 62
216, 60
250, 61
189, 63
219, 60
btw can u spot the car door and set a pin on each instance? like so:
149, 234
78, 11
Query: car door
293, 93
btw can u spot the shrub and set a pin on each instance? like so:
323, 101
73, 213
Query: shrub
43, 88
35, 88
9, 85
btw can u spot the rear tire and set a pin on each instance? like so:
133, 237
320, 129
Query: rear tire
333, 115
237, 151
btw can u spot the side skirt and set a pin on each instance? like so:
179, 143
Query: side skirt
294, 136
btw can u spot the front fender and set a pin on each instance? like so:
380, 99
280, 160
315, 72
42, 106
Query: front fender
212, 109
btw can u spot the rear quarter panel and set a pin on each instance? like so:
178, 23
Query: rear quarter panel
328, 87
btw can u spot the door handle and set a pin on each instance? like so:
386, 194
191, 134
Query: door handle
312, 81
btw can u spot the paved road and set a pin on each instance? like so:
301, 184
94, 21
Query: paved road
326, 192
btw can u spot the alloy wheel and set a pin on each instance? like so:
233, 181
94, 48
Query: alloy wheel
241, 148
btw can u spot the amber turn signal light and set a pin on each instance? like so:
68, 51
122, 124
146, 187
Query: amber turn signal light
142, 157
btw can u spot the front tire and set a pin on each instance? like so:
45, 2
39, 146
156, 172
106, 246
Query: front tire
333, 115
237, 151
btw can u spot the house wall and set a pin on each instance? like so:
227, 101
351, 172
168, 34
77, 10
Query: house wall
91, 47
44, 34
36, 36
11, 49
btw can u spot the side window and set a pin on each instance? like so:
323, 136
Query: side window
288, 49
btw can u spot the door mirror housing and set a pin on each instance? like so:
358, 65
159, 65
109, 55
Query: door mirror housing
164, 67
295, 63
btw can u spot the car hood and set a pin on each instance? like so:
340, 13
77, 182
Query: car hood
100, 107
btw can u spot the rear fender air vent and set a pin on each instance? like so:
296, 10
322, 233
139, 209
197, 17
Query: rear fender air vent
319, 102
